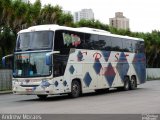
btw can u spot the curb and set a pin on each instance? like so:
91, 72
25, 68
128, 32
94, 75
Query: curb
5, 92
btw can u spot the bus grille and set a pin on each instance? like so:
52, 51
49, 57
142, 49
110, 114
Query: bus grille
29, 85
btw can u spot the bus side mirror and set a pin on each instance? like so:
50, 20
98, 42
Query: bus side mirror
7, 63
3, 62
49, 57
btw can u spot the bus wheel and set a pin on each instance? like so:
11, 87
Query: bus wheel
42, 97
126, 84
75, 89
133, 83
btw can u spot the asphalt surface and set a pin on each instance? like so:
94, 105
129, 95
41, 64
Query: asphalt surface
145, 99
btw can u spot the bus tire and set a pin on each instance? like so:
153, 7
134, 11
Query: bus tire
75, 89
126, 84
133, 83
42, 97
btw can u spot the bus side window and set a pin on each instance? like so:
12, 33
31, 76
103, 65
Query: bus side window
92, 41
82, 40
140, 46
58, 42
135, 46
127, 45
108, 43
103, 42
116, 44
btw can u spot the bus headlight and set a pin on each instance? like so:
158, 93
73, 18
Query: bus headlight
45, 84
14, 81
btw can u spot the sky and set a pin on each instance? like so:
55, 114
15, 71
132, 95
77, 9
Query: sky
144, 15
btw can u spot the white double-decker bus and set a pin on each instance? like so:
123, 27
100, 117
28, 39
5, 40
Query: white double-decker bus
52, 59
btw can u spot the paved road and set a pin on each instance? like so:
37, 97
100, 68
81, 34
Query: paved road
146, 99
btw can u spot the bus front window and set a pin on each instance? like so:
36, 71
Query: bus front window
30, 65
38, 40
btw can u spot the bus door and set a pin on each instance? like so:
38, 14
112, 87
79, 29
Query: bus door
58, 73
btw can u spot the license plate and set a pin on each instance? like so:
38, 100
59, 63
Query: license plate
29, 90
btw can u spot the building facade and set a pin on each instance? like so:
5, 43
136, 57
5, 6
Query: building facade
86, 14
119, 21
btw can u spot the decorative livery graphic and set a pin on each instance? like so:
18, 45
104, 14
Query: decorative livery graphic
71, 39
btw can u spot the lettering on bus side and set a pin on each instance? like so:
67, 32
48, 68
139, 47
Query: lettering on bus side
80, 55
121, 57
97, 56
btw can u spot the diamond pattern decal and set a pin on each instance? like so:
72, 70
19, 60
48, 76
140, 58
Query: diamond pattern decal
65, 83
56, 83
97, 66
139, 66
110, 74
71, 69
87, 79
122, 57
122, 66
106, 55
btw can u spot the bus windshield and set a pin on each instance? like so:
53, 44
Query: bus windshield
37, 40
30, 65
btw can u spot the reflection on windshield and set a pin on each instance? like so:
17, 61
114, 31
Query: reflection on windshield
30, 65
35, 40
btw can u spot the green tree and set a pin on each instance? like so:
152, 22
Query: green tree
7, 40
18, 17
156, 47
33, 13
65, 19
49, 14
92, 24
5, 11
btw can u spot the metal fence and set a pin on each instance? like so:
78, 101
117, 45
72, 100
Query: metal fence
5, 79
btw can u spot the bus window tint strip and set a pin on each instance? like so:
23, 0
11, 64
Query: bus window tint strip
63, 42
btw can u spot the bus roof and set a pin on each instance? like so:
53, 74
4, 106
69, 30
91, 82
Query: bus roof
53, 27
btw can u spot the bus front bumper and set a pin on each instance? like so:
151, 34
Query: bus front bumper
34, 90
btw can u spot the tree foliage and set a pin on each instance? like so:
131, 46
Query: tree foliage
93, 24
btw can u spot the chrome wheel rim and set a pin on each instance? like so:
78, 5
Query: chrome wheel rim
75, 89
133, 83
